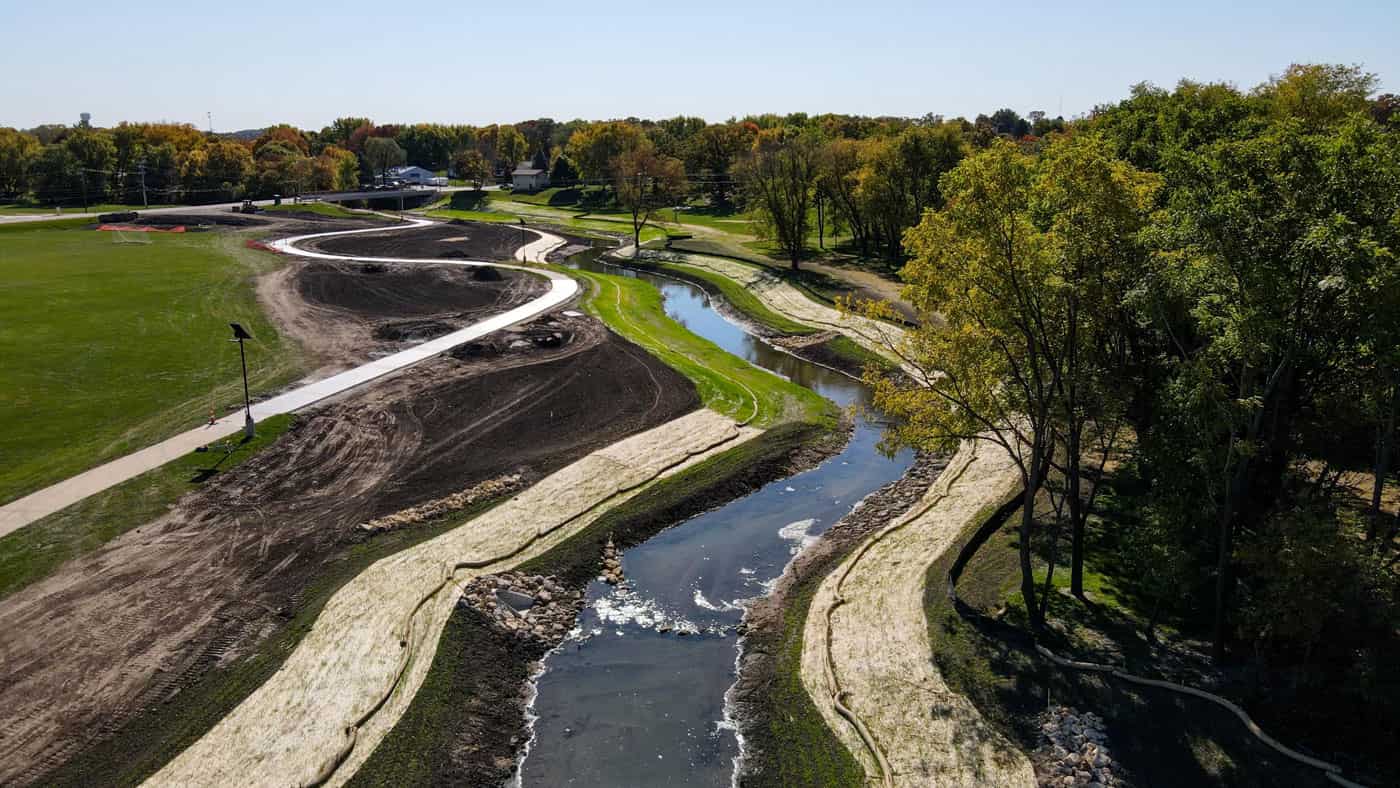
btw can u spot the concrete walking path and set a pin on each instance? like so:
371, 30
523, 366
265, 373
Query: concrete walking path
41, 503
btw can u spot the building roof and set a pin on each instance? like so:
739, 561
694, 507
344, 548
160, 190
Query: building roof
527, 171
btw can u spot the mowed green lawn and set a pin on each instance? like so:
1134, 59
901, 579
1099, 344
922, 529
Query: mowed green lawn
106, 348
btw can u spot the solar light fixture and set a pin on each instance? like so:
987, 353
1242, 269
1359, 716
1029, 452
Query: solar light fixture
239, 334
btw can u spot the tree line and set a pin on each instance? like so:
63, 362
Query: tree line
1199, 288
868, 177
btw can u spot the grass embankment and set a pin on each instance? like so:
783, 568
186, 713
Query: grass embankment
110, 347
150, 740
739, 297
496, 207
840, 351
420, 749
725, 383
804, 749
36, 550
327, 210
1160, 738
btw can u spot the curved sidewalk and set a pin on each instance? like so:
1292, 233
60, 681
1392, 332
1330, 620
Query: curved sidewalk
41, 503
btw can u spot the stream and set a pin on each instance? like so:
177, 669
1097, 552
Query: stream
636, 694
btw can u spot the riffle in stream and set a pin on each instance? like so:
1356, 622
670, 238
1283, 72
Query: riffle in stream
636, 694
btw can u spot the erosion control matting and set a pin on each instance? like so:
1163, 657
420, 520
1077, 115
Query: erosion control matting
114, 637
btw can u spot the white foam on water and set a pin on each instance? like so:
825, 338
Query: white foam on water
624, 606
798, 534
702, 602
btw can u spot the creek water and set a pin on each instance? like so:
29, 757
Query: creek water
636, 694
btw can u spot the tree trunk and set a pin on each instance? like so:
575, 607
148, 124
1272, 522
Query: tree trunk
1033, 481
1077, 515
1382, 467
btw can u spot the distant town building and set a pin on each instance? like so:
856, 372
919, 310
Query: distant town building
529, 178
416, 175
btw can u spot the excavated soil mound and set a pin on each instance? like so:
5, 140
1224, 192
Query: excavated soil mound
412, 330
113, 636
469, 240
385, 290
342, 313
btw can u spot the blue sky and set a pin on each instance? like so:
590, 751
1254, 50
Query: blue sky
254, 63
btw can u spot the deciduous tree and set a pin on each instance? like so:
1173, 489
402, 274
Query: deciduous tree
645, 181
778, 177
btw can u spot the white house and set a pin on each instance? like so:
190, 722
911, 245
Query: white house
527, 178
414, 174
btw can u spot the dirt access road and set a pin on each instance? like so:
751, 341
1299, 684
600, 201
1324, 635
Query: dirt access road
148, 615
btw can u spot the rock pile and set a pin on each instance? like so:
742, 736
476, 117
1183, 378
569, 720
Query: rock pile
1075, 752
530, 606
490, 488
612, 564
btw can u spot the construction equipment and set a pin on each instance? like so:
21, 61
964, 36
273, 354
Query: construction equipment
247, 207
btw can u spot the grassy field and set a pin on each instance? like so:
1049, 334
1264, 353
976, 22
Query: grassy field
725, 383
33, 552
110, 347
31, 209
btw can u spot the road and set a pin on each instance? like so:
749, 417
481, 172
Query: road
41, 503
218, 207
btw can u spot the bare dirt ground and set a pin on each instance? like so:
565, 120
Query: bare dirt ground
344, 313
449, 240
357, 670
867, 285
127, 627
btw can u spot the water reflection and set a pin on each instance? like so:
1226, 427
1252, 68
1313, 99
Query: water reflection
635, 696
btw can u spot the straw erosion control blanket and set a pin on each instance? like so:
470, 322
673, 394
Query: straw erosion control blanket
785, 299
878, 643
120, 635
299, 727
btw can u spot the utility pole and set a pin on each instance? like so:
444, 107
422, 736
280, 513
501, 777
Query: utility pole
82, 174
142, 167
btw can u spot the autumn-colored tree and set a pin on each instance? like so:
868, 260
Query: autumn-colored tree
285, 134
594, 147
337, 169
469, 165
645, 181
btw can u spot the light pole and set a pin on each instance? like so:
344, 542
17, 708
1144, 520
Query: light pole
238, 336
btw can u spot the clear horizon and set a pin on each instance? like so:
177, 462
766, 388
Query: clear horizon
255, 64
